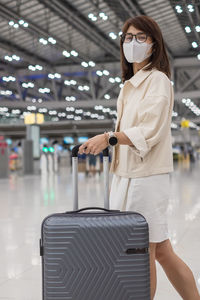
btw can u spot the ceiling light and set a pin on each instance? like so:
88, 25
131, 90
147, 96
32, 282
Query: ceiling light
198, 56
121, 85
173, 125
86, 87
32, 68
70, 109
43, 41
197, 28
5, 93
51, 76
99, 73
194, 44
117, 79
67, 82
21, 22
43, 110
16, 111
38, 67
112, 80
77, 118
80, 88
190, 8
25, 24
3, 109
17, 57
31, 107
112, 35
103, 16
179, 9
66, 53
94, 19
188, 29
70, 98
16, 26
44, 90
51, 40
52, 112
70, 116
91, 64
57, 75
73, 82
90, 15
11, 78
174, 114
74, 53
6, 57
97, 107
106, 96
11, 23
84, 64
78, 111
101, 117
105, 72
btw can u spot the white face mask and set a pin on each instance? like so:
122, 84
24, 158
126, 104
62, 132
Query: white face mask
135, 52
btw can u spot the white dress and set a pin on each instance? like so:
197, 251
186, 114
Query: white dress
148, 196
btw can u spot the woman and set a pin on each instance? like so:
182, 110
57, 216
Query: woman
142, 155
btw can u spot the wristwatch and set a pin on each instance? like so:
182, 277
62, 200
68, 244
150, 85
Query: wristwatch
112, 139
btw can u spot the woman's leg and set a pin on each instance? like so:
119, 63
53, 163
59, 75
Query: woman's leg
153, 280
177, 271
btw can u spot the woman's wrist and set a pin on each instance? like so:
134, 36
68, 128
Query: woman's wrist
106, 136
122, 138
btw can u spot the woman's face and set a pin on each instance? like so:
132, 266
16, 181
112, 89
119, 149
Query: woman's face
141, 37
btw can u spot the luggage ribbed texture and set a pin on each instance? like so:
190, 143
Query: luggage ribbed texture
85, 257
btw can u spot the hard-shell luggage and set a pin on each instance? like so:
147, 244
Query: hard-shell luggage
95, 254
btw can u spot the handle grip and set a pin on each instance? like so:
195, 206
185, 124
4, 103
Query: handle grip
76, 149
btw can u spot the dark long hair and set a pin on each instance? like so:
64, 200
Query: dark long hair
158, 59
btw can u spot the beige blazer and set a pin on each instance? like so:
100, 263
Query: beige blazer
144, 108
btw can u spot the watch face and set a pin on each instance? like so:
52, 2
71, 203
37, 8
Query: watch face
113, 141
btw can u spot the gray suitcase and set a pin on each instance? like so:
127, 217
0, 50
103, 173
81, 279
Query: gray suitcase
95, 253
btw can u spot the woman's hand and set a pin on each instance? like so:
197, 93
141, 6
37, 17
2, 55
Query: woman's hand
95, 145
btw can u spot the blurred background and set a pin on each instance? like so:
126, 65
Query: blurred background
59, 82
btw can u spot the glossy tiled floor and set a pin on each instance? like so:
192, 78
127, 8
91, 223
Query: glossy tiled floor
25, 201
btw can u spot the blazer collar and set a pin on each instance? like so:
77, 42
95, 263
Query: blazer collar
139, 77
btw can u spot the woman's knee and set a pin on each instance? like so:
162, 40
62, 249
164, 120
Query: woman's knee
163, 251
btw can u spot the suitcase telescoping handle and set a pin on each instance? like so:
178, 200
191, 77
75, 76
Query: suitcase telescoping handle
75, 176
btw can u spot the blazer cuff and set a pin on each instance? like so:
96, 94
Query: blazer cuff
139, 146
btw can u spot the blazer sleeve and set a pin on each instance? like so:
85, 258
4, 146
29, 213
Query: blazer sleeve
153, 122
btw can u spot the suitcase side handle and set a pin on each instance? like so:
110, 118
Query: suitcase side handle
96, 208
76, 149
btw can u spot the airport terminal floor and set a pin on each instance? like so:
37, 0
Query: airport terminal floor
26, 200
